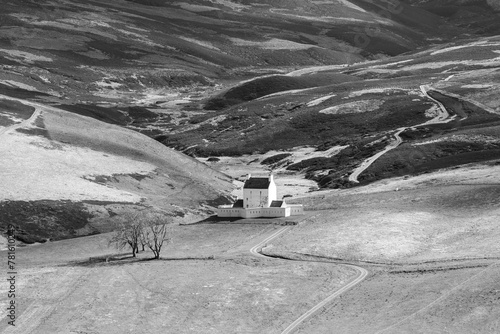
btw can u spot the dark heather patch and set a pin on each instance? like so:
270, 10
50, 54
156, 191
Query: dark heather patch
102, 179
6, 121
108, 115
37, 221
16, 108
275, 158
34, 132
20, 93
178, 214
138, 177
221, 200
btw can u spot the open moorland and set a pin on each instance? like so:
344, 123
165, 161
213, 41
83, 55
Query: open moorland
381, 117
144, 51
206, 78
65, 175
207, 282
429, 244
330, 98
433, 109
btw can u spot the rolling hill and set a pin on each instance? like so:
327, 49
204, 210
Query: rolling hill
124, 52
334, 79
66, 175
381, 117
376, 105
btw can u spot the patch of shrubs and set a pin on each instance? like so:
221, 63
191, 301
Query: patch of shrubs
138, 114
275, 158
37, 221
153, 3
313, 164
333, 181
348, 156
264, 86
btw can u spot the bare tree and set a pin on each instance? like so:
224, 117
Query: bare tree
128, 233
143, 240
156, 232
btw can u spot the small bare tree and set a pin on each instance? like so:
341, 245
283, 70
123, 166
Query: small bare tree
128, 233
157, 231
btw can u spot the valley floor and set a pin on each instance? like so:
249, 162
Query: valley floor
426, 273
208, 282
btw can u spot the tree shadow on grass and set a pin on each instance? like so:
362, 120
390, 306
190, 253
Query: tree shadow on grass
121, 260
215, 220
236, 220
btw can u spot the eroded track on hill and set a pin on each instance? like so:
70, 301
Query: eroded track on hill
362, 273
25, 123
443, 116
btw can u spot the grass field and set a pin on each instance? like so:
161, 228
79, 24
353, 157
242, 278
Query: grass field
426, 301
429, 243
222, 288
432, 223
195, 296
306, 89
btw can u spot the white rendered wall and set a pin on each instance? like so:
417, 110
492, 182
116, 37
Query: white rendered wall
260, 212
266, 212
255, 198
272, 191
296, 210
233, 212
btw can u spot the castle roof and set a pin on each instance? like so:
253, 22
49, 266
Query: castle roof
257, 183
238, 204
276, 204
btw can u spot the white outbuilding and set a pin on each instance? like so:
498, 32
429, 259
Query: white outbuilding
259, 200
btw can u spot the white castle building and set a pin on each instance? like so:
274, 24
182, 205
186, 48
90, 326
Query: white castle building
259, 200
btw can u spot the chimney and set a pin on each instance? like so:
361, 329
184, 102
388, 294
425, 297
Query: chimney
271, 177
249, 176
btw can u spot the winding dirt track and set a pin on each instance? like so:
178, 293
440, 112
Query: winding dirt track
255, 250
442, 117
29, 121
368, 162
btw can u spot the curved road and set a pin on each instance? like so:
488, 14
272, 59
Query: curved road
368, 162
442, 117
38, 110
255, 250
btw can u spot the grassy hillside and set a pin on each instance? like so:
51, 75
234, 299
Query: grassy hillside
227, 78
108, 107
430, 243
260, 87
66, 175
98, 51
361, 108
465, 13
